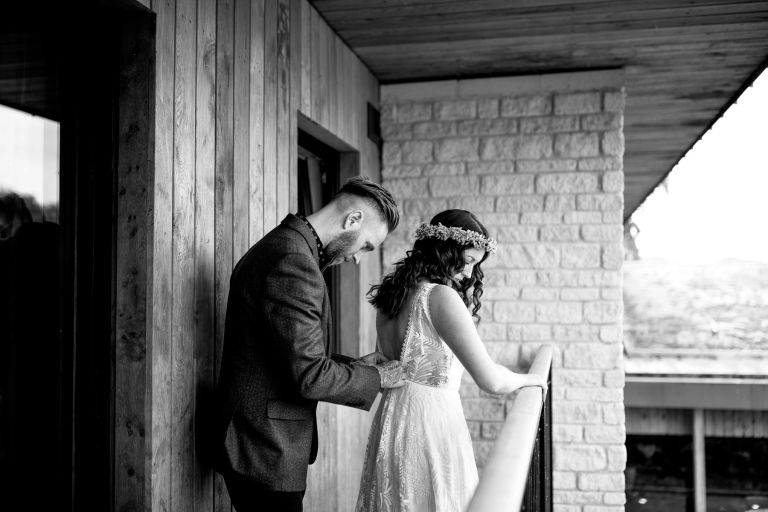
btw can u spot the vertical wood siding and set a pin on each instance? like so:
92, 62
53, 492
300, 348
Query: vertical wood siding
232, 78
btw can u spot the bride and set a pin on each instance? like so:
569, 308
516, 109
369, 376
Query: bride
419, 456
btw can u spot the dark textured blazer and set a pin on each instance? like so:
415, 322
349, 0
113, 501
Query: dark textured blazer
276, 363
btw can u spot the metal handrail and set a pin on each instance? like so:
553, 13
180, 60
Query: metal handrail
504, 477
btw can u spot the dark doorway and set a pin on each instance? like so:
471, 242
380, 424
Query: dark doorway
62, 62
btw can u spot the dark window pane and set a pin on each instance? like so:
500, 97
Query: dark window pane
737, 474
659, 474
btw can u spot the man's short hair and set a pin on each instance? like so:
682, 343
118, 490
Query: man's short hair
362, 186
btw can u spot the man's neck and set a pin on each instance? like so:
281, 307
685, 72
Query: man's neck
322, 224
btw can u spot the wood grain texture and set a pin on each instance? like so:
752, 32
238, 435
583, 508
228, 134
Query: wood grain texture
283, 114
158, 409
205, 199
241, 90
256, 124
270, 114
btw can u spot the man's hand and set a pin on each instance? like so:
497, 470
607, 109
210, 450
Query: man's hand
373, 358
391, 374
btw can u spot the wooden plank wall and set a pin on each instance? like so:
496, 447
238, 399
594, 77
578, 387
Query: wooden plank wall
232, 78
717, 423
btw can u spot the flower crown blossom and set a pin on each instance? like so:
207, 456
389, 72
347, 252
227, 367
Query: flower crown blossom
463, 236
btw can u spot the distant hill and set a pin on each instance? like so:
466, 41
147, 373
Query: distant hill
704, 307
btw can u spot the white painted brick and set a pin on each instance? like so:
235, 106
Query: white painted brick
603, 163
560, 233
603, 312
615, 498
563, 480
526, 106
582, 218
577, 144
500, 292
557, 278
617, 457
506, 185
582, 413
526, 203
535, 147
516, 146
500, 219
611, 294
546, 165
611, 333
601, 482
559, 312
541, 217
409, 113
568, 378
576, 333
501, 167
560, 507
602, 233
401, 171
453, 186
548, 294
599, 278
602, 508
549, 124
567, 433
486, 409
577, 497
614, 414
448, 110
474, 429
443, 169
503, 126
560, 203
600, 202
557, 183
518, 312
490, 429
601, 122
434, 130
521, 278
487, 108
614, 379
393, 132
390, 153
469, 390
482, 451
613, 143
423, 207
613, 181
613, 101
416, 152
578, 103
489, 331
478, 204
605, 434
613, 217
405, 188
460, 149
583, 294
589, 356
535, 332
510, 234
387, 114
580, 256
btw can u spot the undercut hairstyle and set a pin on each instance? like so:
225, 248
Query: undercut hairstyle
436, 261
376, 195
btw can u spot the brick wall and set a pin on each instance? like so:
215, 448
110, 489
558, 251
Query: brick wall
539, 160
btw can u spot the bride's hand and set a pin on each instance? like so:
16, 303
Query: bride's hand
391, 374
533, 379
373, 358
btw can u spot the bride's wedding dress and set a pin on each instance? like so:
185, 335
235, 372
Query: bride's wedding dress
419, 456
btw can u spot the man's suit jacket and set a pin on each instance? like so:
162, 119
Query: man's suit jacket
276, 363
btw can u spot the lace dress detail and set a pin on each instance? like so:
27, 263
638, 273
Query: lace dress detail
419, 456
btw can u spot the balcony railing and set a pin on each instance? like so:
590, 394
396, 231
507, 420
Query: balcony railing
518, 474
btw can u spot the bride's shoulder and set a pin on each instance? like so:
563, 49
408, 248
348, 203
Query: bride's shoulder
444, 299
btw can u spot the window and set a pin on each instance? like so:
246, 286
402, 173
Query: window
659, 474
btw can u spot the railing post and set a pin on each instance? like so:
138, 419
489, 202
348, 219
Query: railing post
538, 489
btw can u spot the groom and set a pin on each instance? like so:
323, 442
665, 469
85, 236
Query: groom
276, 363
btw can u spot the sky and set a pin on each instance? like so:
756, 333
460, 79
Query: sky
715, 204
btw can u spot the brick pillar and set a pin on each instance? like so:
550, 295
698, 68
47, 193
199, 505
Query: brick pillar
539, 160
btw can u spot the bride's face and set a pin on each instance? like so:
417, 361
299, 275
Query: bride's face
472, 256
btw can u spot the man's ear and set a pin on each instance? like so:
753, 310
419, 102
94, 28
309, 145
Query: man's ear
353, 220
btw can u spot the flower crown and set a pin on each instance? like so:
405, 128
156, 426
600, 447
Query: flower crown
463, 236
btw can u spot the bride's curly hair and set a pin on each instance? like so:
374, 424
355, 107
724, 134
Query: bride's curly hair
437, 261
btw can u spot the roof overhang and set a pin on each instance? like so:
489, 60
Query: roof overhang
684, 62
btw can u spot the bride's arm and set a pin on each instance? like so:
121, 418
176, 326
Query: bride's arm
454, 324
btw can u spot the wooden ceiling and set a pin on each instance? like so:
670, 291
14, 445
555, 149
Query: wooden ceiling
685, 61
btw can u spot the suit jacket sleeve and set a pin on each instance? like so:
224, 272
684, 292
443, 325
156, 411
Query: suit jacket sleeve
293, 300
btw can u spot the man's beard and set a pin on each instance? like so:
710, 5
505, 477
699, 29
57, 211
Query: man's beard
339, 247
